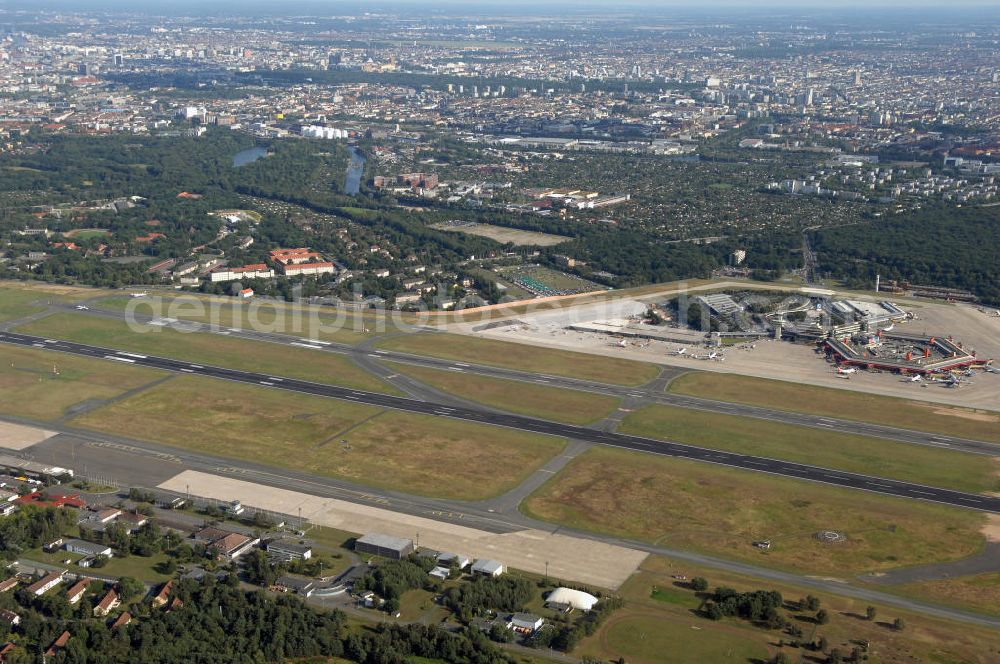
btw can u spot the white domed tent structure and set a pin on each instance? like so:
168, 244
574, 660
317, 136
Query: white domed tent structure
567, 598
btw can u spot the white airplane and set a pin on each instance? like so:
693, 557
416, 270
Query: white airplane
710, 356
889, 329
682, 351
992, 370
82, 307
916, 379
848, 370
142, 294
622, 343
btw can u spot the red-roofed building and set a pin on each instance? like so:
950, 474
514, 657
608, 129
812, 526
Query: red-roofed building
107, 603
46, 583
58, 644
150, 237
6, 650
189, 195
233, 545
122, 620
74, 594
300, 261
53, 500
164, 594
8, 584
72, 246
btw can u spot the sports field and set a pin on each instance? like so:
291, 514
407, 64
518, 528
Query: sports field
829, 402
206, 348
409, 453
723, 511
571, 406
524, 358
42, 385
503, 234
933, 466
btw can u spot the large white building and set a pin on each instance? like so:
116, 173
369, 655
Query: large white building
255, 271
329, 133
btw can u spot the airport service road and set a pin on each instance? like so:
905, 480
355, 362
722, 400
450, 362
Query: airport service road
634, 443
144, 464
368, 357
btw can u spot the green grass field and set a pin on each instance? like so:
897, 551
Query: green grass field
722, 511
412, 453
979, 593
308, 321
650, 639
650, 631
549, 403
205, 348
830, 402
30, 388
523, 357
16, 303
873, 456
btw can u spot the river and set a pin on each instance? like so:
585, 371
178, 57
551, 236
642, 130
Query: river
352, 182
248, 156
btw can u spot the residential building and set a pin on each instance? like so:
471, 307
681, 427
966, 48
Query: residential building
58, 644
163, 595
46, 583
107, 604
122, 620
10, 617
74, 594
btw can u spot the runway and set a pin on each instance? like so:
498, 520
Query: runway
369, 356
634, 443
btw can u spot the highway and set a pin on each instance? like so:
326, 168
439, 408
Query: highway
634, 443
368, 357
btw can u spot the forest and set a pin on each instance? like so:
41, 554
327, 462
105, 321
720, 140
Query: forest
217, 622
940, 245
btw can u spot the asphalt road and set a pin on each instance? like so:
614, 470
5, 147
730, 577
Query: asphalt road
634, 443
369, 358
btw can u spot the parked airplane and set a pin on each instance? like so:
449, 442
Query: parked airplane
992, 370
848, 370
916, 379
889, 329
710, 356
622, 343
82, 307
682, 351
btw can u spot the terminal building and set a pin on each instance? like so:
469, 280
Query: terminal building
901, 353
